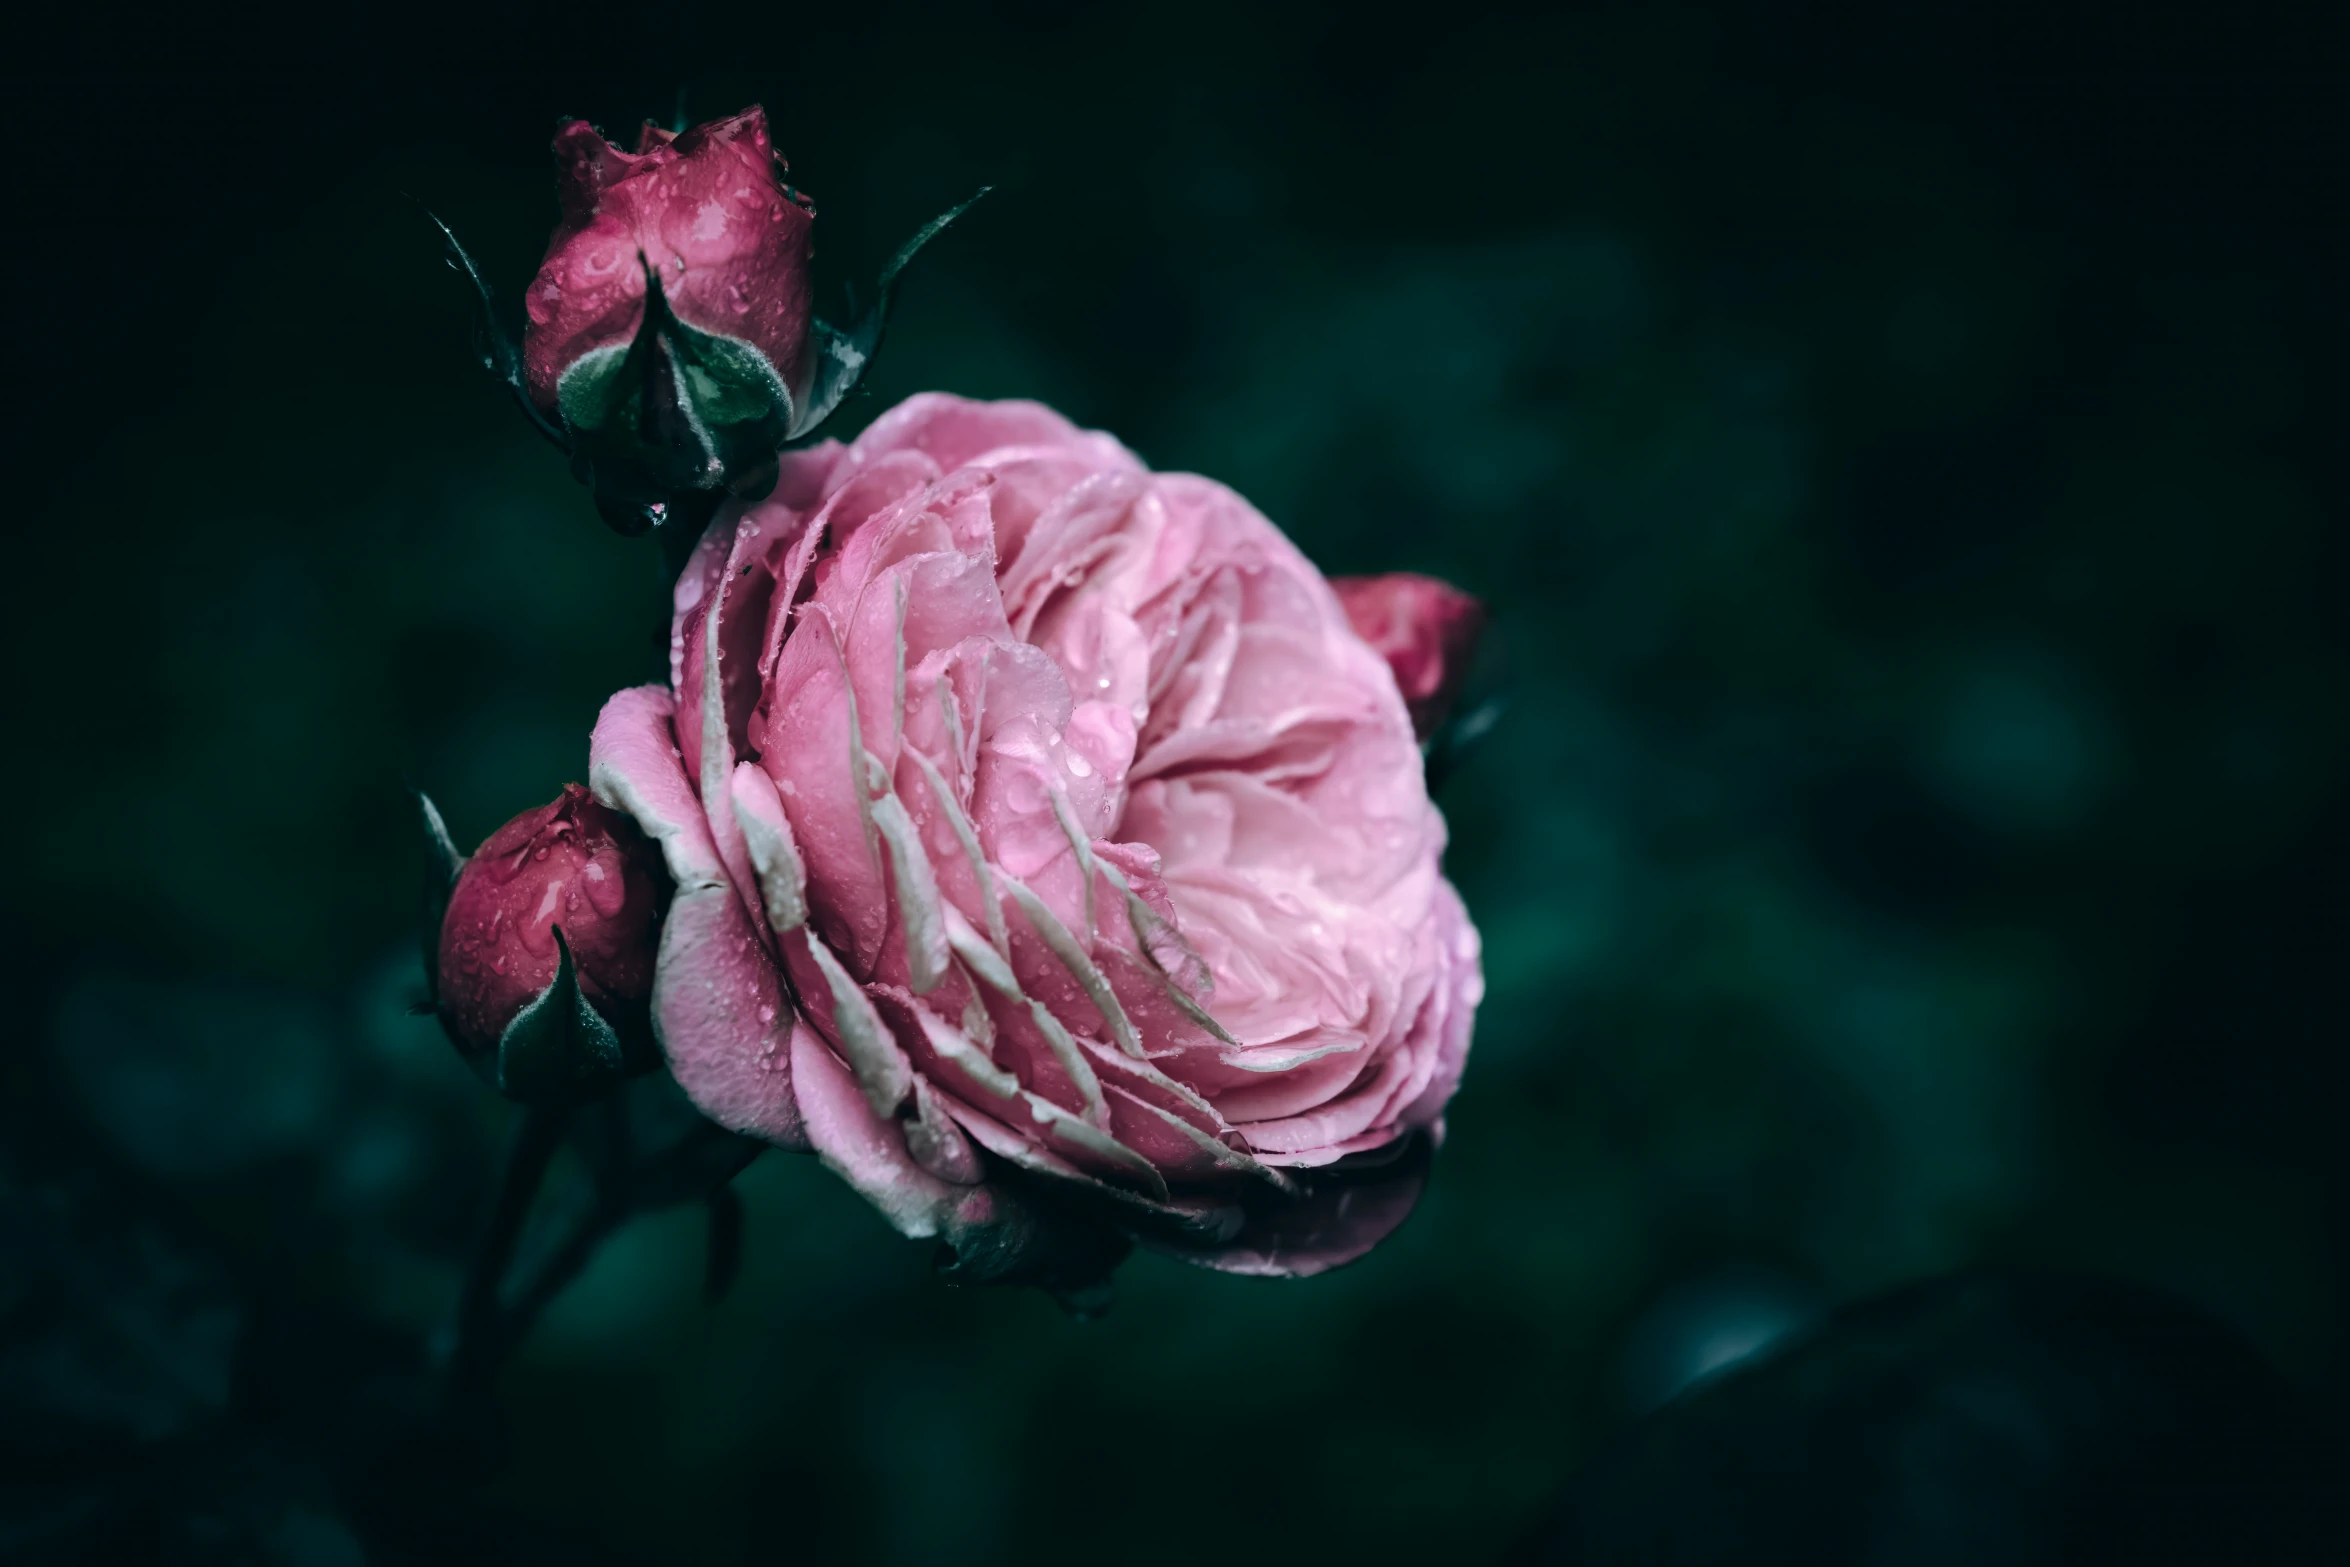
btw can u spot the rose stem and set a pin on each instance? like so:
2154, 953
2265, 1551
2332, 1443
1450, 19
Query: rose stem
605, 1212
481, 1339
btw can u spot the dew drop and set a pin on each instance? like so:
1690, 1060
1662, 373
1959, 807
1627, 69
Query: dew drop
1079, 765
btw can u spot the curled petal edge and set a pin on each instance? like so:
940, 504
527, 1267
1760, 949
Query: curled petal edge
714, 986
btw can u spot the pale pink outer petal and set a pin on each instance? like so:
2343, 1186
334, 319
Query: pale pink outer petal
955, 431
992, 1234
633, 766
718, 1003
1462, 990
863, 1149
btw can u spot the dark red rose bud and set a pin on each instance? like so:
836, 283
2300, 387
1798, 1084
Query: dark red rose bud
1426, 630
670, 323
573, 865
671, 348
707, 214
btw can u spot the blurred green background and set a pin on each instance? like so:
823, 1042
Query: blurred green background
1901, 457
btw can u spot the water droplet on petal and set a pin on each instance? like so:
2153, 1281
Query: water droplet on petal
1079, 765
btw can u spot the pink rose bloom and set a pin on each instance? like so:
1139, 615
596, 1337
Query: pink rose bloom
1052, 856
1426, 630
571, 864
708, 211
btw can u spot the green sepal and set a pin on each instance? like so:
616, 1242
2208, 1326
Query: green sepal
841, 358
559, 1049
1038, 1233
673, 417
666, 427
1484, 699
442, 865
1442, 753
499, 354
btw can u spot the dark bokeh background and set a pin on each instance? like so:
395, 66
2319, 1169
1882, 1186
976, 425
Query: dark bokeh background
1903, 459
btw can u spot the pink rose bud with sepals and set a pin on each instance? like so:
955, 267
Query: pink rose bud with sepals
1426, 629
670, 323
711, 218
1050, 850
570, 866
670, 348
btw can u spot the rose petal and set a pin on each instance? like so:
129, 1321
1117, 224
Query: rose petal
718, 1005
864, 1149
723, 1020
633, 766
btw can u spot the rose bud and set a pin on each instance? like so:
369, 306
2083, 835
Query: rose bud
671, 345
544, 968
1053, 857
669, 324
1427, 631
